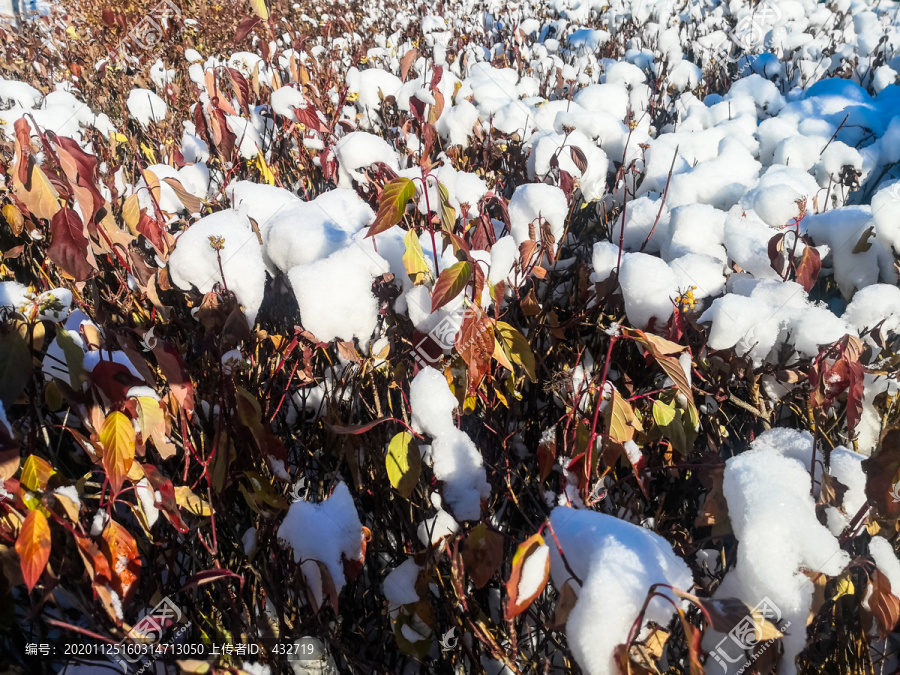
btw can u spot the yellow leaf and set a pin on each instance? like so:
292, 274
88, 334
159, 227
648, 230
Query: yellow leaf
68, 506
404, 463
15, 219
264, 169
153, 184
844, 587
500, 356
131, 213
260, 9
191, 502
117, 438
621, 421
42, 199
518, 348
36, 473
149, 152
414, 259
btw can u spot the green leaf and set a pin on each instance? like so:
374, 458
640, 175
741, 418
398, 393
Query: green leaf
518, 348
36, 473
663, 413
414, 259
15, 367
404, 463
448, 213
392, 205
670, 421
450, 283
74, 358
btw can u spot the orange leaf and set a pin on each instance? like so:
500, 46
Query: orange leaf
33, 547
117, 438
450, 283
529, 575
121, 551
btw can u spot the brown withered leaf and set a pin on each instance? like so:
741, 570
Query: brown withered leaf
482, 553
832, 491
884, 605
881, 472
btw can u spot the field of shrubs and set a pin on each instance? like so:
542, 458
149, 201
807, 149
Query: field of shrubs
534, 337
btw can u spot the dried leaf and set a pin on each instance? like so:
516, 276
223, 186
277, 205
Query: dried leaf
15, 367
406, 62
482, 553
885, 606
191, 202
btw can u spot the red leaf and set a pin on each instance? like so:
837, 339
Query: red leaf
245, 26
173, 369
114, 380
475, 344
241, 88
777, 259
167, 501
809, 267
450, 283
356, 429
148, 227
855, 394
436, 77
68, 245
578, 158
310, 117
33, 547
